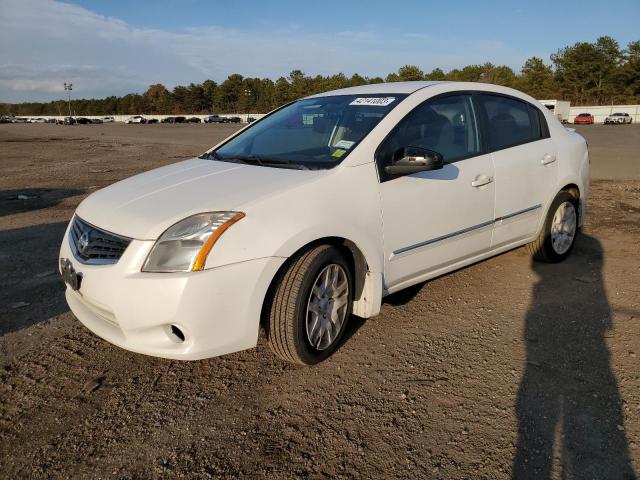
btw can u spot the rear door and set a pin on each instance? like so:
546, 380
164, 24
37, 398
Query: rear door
525, 161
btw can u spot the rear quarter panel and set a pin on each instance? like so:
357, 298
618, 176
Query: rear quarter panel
573, 162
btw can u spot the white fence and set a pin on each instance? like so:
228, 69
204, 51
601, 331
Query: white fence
122, 118
600, 113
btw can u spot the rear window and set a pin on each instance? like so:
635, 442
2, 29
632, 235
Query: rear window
511, 122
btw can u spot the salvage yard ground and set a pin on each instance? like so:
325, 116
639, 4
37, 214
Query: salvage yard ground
501, 368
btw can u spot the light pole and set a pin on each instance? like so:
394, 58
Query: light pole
68, 88
247, 96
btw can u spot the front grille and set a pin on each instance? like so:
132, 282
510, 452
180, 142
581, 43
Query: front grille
95, 246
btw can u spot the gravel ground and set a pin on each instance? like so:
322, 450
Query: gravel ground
504, 369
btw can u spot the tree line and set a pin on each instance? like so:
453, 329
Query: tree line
598, 73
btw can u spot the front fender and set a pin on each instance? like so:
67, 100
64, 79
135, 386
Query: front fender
344, 204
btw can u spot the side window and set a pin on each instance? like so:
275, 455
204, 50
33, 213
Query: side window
446, 125
536, 132
544, 127
510, 122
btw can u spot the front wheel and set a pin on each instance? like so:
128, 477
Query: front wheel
310, 306
559, 232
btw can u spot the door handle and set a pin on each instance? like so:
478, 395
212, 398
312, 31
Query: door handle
481, 180
547, 159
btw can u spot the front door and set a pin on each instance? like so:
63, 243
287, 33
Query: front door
437, 218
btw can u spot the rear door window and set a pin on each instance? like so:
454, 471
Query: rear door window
510, 122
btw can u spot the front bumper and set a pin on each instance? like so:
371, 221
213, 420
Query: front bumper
218, 309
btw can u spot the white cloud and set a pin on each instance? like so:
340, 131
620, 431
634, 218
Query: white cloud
44, 43
28, 85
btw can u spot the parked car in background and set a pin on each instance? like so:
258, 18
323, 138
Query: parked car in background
193, 120
51, 120
96, 121
584, 119
178, 119
19, 120
108, 119
215, 119
136, 119
83, 121
234, 119
251, 119
37, 120
153, 120
69, 121
618, 118
6, 119
316, 212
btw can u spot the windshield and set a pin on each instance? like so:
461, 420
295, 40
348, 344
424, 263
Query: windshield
309, 134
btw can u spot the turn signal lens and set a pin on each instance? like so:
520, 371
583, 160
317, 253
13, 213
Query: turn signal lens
201, 259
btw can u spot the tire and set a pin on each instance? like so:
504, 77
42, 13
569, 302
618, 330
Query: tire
554, 248
289, 315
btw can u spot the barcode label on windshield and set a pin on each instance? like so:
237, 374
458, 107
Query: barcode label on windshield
374, 101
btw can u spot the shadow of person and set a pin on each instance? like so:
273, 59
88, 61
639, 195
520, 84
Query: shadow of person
28, 199
31, 290
568, 406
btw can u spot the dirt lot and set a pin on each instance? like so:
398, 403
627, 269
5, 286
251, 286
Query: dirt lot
506, 368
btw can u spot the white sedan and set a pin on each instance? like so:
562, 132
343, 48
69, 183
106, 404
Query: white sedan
619, 118
316, 212
136, 119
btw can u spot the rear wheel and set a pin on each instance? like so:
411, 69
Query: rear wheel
560, 230
310, 306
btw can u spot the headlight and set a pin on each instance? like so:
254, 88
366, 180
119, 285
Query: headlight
185, 246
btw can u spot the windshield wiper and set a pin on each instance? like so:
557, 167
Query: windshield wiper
215, 156
210, 156
262, 161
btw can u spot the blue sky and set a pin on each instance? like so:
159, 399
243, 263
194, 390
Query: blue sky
115, 47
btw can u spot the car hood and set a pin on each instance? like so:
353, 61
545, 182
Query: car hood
144, 206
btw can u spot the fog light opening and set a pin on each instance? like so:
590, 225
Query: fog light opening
177, 334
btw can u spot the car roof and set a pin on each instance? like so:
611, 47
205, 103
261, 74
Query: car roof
380, 88
408, 88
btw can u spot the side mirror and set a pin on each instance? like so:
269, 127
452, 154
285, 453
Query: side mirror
413, 160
